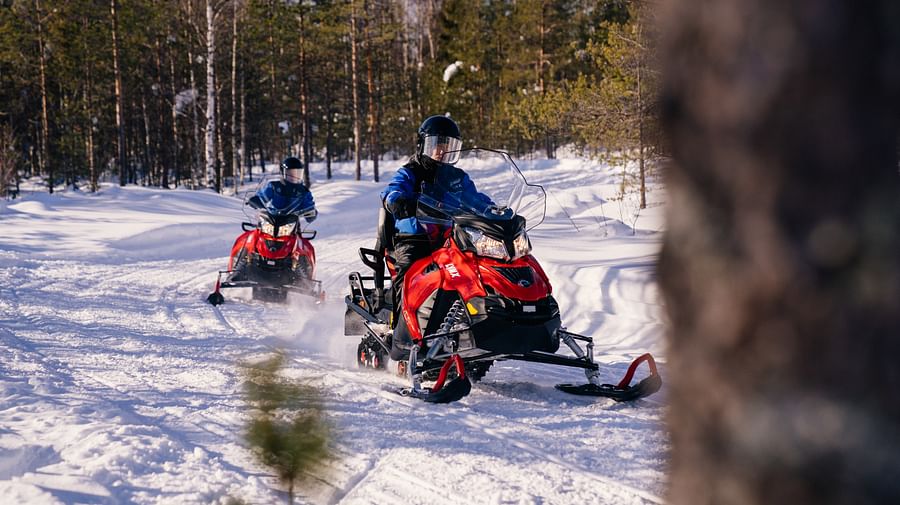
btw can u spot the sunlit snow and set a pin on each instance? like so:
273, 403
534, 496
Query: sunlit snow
120, 384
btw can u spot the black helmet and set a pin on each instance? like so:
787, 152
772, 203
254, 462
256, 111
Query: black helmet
292, 170
438, 135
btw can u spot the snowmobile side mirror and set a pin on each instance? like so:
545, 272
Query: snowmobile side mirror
309, 235
248, 226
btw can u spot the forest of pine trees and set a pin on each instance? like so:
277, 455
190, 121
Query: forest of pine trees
191, 93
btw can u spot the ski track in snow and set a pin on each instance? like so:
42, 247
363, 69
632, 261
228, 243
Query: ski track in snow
119, 384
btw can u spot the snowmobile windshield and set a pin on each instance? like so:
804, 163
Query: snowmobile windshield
276, 203
485, 183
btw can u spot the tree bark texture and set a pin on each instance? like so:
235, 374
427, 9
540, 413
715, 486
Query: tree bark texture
246, 159
195, 95
306, 140
88, 104
163, 152
120, 105
236, 153
373, 107
354, 80
176, 160
211, 174
45, 165
781, 264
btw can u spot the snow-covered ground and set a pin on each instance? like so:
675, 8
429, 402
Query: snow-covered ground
120, 384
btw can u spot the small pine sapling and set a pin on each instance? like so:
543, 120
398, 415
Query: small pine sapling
288, 432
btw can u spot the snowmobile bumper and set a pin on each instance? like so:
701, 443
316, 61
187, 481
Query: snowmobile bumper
294, 284
504, 326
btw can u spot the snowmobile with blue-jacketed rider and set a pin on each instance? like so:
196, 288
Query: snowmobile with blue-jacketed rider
275, 256
478, 298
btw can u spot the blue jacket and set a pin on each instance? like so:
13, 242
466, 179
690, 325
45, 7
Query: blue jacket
446, 183
283, 197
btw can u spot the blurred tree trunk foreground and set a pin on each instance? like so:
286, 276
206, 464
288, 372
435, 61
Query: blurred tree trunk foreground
781, 267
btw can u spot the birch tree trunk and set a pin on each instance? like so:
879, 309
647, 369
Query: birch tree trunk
44, 165
354, 84
642, 116
236, 153
781, 265
210, 150
329, 134
304, 104
195, 120
163, 154
148, 156
88, 104
373, 113
220, 147
429, 4
175, 138
273, 83
117, 76
246, 159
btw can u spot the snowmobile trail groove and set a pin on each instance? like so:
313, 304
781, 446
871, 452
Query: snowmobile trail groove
127, 389
481, 422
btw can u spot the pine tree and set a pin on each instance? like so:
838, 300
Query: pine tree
287, 432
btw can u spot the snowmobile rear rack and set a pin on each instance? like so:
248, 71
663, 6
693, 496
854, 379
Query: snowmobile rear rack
363, 313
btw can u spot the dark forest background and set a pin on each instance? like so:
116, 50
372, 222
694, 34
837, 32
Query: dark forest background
195, 92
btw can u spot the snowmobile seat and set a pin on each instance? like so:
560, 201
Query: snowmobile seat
380, 297
384, 241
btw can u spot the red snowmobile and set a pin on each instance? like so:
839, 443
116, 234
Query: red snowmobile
273, 257
479, 298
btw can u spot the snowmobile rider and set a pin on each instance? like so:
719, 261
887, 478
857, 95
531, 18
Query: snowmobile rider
288, 194
437, 150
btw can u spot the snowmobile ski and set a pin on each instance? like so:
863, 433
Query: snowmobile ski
442, 391
623, 391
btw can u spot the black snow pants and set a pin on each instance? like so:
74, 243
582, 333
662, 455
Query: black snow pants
408, 248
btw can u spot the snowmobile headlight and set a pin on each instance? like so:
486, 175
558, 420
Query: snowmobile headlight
286, 229
522, 245
267, 227
486, 246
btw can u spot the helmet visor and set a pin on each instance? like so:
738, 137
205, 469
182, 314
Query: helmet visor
293, 175
442, 148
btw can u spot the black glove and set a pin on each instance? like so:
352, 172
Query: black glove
500, 211
402, 207
255, 202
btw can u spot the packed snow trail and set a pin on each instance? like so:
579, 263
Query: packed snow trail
119, 384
